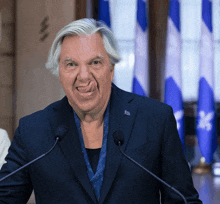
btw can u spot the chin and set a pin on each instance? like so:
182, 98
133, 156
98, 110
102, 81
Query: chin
86, 108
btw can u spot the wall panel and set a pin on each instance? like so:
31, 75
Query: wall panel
37, 24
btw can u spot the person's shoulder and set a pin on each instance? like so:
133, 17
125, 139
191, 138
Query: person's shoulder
145, 103
150, 106
42, 115
2, 131
4, 136
153, 104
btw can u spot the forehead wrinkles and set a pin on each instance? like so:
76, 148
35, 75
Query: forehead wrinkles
90, 43
83, 47
89, 60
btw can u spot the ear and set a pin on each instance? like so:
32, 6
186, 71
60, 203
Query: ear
112, 71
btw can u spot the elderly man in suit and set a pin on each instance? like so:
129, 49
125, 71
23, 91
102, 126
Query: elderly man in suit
86, 166
4, 145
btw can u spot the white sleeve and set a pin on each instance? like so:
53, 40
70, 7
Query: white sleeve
4, 145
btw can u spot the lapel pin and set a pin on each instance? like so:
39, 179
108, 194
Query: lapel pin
127, 112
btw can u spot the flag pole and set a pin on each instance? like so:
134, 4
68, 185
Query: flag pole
206, 114
202, 167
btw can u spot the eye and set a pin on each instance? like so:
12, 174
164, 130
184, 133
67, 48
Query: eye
96, 62
71, 64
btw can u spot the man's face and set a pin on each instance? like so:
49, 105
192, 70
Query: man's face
85, 73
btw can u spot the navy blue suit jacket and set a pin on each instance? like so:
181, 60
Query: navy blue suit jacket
151, 138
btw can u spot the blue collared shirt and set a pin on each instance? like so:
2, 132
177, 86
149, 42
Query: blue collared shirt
96, 178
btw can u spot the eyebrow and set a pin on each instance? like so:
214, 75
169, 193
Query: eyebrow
96, 57
68, 59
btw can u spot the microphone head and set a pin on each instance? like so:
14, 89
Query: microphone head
118, 137
60, 132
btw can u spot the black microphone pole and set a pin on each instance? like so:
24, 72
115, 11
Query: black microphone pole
119, 141
60, 132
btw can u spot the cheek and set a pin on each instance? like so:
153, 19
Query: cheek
106, 82
105, 77
62, 78
65, 82
108, 74
67, 78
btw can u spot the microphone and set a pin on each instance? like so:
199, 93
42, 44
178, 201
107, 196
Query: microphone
59, 135
119, 141
60, 132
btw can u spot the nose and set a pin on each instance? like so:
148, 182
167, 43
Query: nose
84, 73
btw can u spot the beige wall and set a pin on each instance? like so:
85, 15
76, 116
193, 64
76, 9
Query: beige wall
35, 86
25, 85
7, 65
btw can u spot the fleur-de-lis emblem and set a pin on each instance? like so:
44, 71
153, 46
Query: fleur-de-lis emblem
178, 115
204, 120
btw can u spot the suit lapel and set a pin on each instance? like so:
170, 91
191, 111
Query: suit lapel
70, 144
122, 117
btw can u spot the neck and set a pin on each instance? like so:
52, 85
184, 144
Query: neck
92, 133
92, 116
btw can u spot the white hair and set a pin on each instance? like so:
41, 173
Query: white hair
83, 26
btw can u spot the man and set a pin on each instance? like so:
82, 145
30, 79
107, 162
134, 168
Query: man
86, 166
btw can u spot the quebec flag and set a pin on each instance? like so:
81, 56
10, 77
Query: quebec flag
206, 116
140, 79
104, 12
173, 80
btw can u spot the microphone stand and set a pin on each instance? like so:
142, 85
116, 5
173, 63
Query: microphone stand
156, 177
2, 179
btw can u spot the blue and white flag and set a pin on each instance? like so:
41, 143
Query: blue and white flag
104, 12
141, 79
173, 80
206, 116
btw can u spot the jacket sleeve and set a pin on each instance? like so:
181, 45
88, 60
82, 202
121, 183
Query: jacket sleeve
175, 169
16, 188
